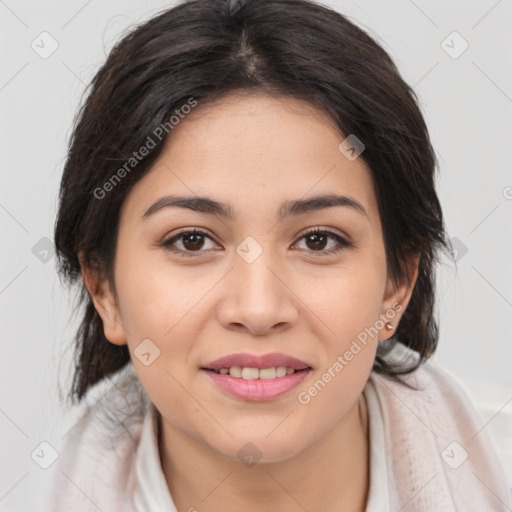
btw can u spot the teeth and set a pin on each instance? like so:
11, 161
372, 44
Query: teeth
248, 373
281, 371
267, 373
236, 371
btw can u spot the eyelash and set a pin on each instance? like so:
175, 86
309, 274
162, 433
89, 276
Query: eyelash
342, 243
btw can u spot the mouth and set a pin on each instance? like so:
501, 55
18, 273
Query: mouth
256, 377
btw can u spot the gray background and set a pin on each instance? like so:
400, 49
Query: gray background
467, 103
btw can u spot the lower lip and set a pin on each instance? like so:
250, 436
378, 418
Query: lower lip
258, 389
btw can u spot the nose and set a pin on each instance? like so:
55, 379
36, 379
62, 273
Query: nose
257, 298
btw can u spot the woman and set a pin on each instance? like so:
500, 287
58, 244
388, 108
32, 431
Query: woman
249, 209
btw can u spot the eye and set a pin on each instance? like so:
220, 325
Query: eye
317, 240
193, 241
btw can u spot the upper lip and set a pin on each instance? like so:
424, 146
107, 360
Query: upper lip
270, 360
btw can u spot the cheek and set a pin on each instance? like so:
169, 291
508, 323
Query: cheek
155, 294
161, 306
348, 347
348, 301
349, 307
157, 303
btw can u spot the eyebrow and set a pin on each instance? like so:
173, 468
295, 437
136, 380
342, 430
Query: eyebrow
288, 208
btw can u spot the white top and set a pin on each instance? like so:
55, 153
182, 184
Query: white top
378, 494
152, 494
429, 450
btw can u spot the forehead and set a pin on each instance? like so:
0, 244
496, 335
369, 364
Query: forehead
254, 151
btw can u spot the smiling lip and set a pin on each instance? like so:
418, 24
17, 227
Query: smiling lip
257, 389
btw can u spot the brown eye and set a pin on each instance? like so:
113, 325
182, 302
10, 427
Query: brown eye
194, 241
191, 241
317, 240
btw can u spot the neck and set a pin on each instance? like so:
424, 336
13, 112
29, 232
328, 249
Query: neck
331, 474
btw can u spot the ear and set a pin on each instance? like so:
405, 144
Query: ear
104, 302
396, 299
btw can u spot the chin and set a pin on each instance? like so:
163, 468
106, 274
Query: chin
251, 450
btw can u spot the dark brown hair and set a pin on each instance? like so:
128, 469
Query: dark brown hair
204, 49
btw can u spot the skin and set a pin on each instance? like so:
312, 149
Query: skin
254, 152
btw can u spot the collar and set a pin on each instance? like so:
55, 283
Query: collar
151, 491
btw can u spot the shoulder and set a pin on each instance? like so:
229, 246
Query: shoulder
430, 394
433, 430
430, 387
97, 454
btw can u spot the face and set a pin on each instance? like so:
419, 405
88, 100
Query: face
254, 279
